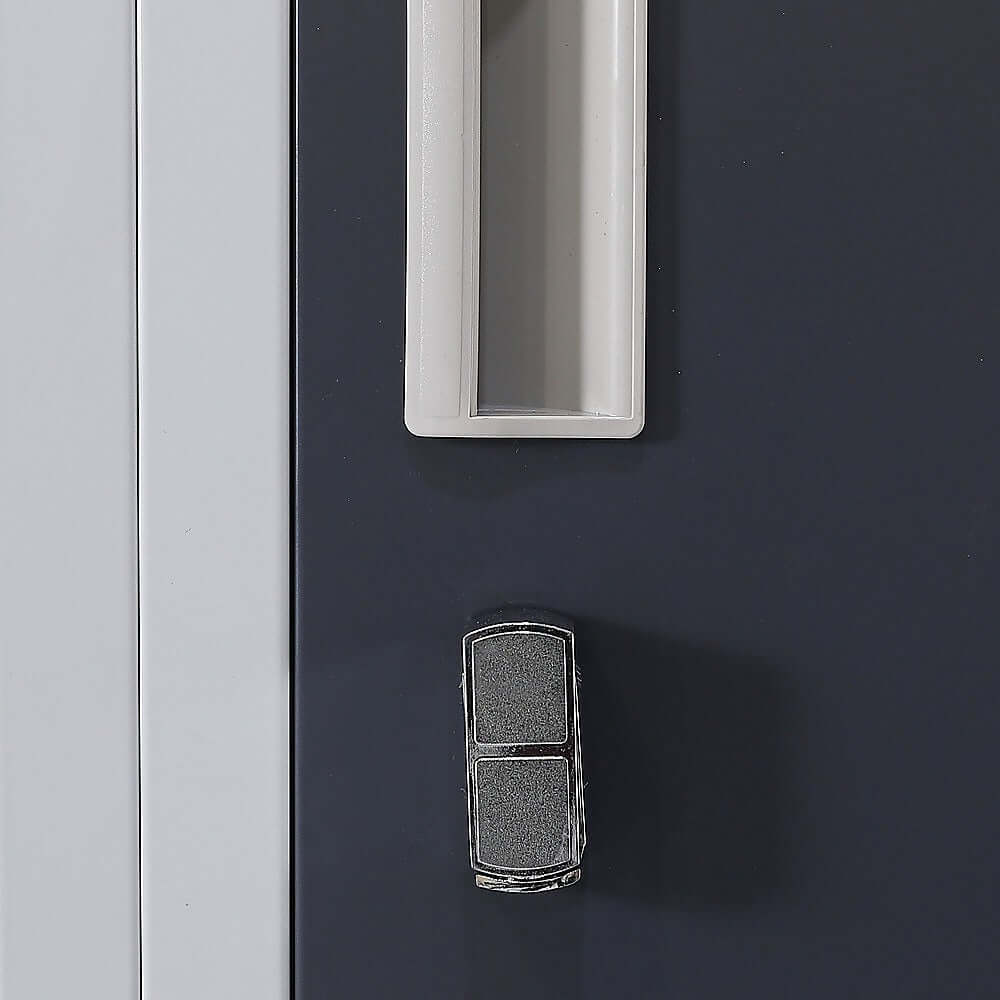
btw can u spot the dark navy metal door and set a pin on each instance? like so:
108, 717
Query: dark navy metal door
785, 590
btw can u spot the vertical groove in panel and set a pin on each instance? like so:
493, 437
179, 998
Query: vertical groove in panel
136, 208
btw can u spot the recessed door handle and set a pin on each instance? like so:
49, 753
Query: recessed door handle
526, 218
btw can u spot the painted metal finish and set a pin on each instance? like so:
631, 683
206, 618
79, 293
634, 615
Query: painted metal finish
213, 364
784, 590
69, 920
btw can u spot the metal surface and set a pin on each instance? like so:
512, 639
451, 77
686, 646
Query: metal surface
523, 755
69, 920
785, 588
213, 359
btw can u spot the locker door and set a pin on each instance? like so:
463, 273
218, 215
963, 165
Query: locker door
783, 589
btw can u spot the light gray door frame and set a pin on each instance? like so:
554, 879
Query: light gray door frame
213, 102
144, 642
68, 765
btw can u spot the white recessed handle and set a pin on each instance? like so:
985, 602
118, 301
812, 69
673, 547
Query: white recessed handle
526, 205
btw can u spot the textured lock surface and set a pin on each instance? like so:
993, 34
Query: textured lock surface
519, 684
523, 808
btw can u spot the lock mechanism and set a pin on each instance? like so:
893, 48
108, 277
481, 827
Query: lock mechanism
524, 762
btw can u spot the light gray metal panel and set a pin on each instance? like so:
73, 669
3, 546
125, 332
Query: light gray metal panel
68, 769
213, 359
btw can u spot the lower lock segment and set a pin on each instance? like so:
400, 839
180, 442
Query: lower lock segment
523, 754
533, 885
